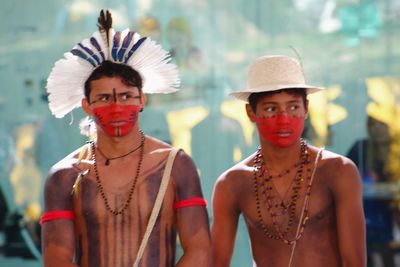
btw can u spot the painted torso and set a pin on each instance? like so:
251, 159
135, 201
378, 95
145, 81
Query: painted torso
104, 239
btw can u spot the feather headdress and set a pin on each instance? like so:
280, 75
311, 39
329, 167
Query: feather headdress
65, 84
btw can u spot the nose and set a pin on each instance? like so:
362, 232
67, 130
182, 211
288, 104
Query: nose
283, 118
116, 107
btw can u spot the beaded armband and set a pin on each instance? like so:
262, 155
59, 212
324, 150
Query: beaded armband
56, 215
194, 201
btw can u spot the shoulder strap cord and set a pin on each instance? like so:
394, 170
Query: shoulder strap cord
82, 154
157, 205
306, 199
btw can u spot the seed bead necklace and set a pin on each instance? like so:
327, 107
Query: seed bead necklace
117, 211
268, 195
107, 162
268, 180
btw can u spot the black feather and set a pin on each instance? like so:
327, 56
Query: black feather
83, 56
96, 45
105, 23
134, 48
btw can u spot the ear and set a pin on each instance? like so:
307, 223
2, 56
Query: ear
143, 100
86, 106
306, 108
250, 113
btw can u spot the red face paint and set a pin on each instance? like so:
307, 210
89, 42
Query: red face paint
281, 130
116, 120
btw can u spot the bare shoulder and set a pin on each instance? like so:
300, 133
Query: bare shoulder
238, 175
336, 161
335, 168
155, 146
157, 149
62, 175
60, 181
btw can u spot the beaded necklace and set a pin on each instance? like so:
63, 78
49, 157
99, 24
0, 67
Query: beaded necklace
263, 186
107, 162
117, 211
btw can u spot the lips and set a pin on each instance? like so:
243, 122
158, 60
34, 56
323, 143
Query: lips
117, 123
283, 134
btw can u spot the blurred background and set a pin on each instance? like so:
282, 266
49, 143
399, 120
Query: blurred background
349, 46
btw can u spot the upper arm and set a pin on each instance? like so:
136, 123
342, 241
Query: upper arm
225, 221
58, 240
347, 191
192, 222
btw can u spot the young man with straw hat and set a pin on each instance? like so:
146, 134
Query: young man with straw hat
121, 199
302, 205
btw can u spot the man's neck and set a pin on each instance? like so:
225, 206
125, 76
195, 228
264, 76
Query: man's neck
115, 146
277, 158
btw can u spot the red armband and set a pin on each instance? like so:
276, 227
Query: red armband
194, 201
56, 215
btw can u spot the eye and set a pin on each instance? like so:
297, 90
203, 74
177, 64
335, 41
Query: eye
294, 107
104, 98
270, 109
125, 97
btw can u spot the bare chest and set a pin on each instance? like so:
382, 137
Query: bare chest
112, 221
282, 211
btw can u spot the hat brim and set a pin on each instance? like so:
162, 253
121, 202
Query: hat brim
244, 95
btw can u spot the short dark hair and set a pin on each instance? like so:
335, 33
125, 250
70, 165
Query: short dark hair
255, 97
111, 69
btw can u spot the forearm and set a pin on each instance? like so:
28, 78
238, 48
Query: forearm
199, 257
53, 261
354, 263
220, 263
354, 260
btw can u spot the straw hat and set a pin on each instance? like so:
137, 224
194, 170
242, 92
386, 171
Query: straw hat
271, 73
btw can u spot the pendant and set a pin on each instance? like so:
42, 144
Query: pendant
107, 162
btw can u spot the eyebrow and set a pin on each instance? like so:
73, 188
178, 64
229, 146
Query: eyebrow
276, 102
121, 93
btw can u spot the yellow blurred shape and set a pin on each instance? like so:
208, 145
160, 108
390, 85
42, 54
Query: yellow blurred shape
235, 109
25, 177
33, 211
324, 113
237, 154
385, 93
180, 124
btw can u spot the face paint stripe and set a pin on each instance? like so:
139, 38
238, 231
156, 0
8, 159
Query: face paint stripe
122, 236
115, 237
107, 241
114, 95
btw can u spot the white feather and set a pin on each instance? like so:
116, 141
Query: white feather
65, 84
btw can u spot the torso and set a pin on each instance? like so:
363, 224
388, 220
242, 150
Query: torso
318, 246
104, 239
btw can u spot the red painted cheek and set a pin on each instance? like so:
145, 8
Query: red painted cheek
281, 130
116, 120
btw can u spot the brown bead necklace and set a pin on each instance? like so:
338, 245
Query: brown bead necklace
117, 211
107, 162
263, 186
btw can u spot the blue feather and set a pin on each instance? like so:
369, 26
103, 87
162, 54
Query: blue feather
134, 48
115, 46
83, 56
96, 45
125, 45
90, 52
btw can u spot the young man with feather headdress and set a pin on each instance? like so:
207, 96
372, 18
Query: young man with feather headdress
121, 199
